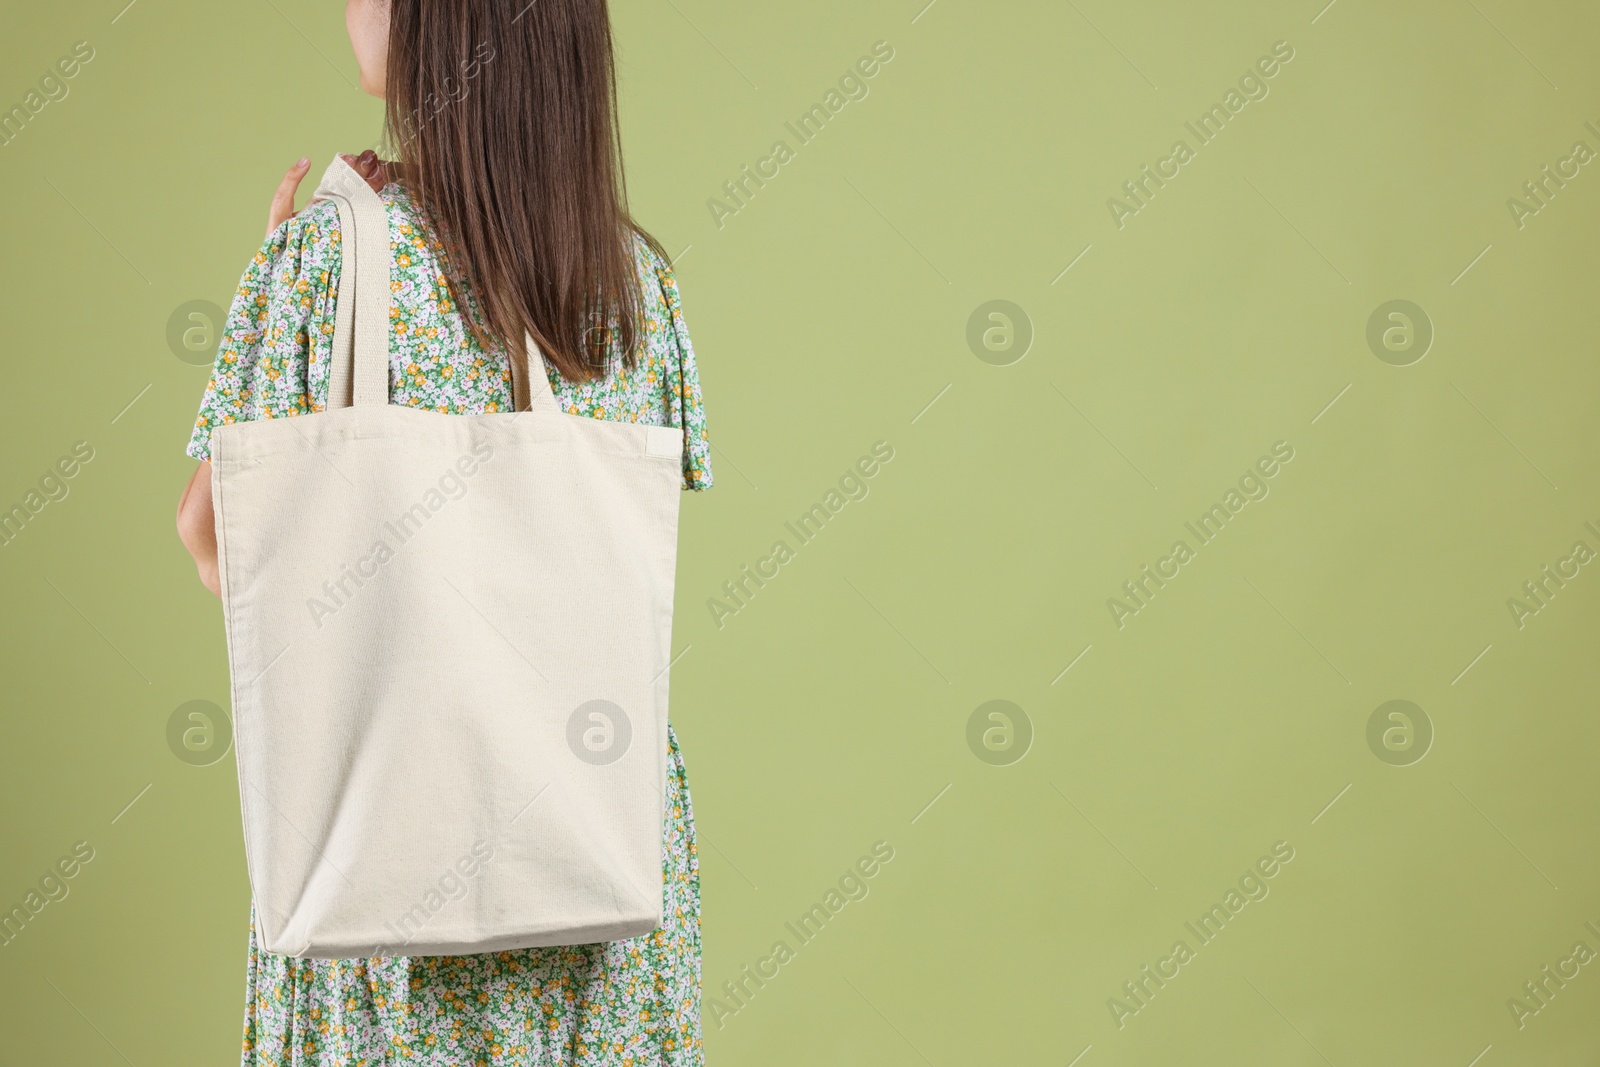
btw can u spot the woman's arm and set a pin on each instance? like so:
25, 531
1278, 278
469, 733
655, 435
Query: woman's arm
197, 526
197, 520
681, 381
196, 517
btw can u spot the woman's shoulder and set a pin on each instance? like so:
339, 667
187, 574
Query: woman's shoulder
656, 281
303, 250
317, 224
306, 250
648, 255
315, 228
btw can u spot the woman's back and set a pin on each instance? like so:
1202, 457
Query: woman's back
276, 347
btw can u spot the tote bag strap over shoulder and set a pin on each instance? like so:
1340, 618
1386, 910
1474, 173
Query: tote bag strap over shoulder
359, 373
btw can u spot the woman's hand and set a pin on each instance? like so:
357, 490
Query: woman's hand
197, 526
367, 164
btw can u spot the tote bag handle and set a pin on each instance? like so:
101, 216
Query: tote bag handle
359, 373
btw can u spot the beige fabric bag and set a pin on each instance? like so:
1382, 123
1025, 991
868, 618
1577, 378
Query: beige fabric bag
449, 638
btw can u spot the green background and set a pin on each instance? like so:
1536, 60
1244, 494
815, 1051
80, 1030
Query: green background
1229, 714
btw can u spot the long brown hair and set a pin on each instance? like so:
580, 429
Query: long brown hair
502, 115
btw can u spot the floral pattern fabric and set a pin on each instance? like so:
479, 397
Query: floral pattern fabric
626, 1003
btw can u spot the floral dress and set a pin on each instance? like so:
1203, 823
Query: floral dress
620, 1004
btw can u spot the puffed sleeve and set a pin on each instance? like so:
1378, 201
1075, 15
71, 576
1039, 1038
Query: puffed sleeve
682, 385
277, 342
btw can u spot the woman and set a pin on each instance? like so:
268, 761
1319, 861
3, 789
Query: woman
507, 208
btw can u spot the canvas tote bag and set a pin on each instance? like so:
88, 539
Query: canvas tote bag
449, 638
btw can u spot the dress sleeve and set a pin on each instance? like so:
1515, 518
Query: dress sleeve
682, 387
277, 342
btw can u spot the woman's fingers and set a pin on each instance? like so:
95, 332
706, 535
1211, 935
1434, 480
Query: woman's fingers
372, 169
283, 200
367, 164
